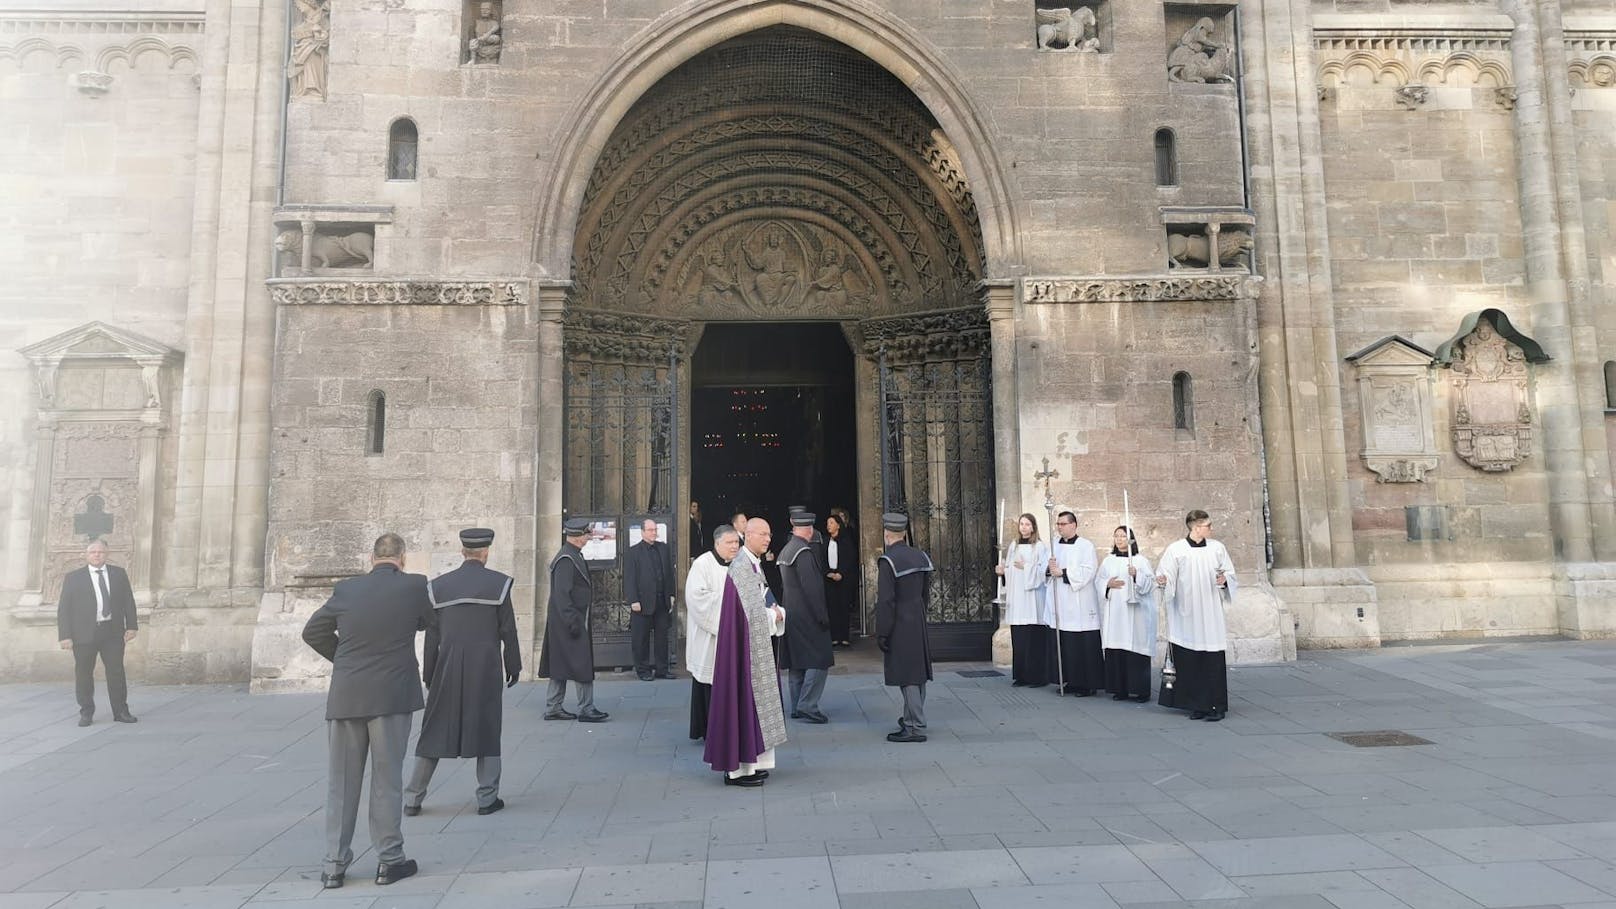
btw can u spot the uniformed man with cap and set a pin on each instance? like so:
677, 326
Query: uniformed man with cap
461, 667
903, 591
568, 652
806, 654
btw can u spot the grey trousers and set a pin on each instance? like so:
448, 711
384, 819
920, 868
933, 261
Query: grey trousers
914, 705
487, 780
384, 739
558, 693
806, 687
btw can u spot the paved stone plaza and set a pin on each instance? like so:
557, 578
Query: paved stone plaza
1020, 798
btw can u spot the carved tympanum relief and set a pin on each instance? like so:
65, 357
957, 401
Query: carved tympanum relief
1492, 414
774, 268
1394, 403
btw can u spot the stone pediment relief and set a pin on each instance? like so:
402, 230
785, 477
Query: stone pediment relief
1492, 413
1395, 408
97, 341
777, 268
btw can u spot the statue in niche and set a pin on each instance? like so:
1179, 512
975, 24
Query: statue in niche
485, 43
1195, 250
1200, 57
771, 278
311, 44
1492, 422
1068, 29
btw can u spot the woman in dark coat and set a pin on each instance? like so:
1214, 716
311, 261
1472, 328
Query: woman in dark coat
841, 577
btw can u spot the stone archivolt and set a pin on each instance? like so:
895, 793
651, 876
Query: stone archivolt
743, 187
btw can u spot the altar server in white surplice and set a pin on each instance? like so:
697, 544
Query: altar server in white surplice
1026, 610
1077, 608
1127, 587
1197, 582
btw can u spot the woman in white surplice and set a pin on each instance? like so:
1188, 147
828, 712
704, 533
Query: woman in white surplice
1026, 581
1128, 590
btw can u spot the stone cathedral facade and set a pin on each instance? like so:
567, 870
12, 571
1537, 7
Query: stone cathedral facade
283, 274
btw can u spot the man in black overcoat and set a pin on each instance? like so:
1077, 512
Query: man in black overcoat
95, 617
903, 590
648, 589
461, 666
806, 653
367, 630
568, 651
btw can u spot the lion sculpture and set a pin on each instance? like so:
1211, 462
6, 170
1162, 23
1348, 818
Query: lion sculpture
1191, 250
355, 250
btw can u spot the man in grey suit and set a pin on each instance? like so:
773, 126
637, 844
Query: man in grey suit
367, 630
95, 617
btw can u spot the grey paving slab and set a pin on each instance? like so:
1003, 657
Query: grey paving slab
216, 798
781, 883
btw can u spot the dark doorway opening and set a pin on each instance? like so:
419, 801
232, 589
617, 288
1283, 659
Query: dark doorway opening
772, 423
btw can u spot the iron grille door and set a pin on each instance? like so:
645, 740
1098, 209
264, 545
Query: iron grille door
620, 454
937, 464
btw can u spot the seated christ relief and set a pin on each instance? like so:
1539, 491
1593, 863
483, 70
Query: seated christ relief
771, 269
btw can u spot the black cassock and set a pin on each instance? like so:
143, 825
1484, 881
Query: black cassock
462, 663
807, 642
903, 590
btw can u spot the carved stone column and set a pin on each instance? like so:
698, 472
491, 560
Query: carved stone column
999, 298
547, 467
867, 404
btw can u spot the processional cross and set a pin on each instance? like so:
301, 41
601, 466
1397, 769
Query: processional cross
1046, 475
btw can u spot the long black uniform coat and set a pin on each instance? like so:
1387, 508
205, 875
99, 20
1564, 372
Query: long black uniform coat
76, 607
903, 590
367, 630
568, 653
461, 662
807, 643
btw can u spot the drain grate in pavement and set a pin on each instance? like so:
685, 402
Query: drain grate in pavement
1382, 738
980, 673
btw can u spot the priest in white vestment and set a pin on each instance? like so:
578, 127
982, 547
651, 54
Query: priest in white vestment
1197, 581
1026, 581
704, 598
1127, 588
746, 719
1076, 608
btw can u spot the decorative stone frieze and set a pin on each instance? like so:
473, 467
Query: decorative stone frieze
950, 335
1161, 289
1394, 398
65, 53
1593, 56
1410, 54
404, 292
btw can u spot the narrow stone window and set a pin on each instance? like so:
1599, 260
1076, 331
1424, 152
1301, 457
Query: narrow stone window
402, 140
1166, 158
376, 431
1610, 384
1183, 401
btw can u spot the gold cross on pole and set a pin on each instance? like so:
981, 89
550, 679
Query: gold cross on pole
1046, 475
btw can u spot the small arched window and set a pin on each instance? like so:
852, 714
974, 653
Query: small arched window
1166, 158
376, 423
402, 140
1610, 384
1183, 401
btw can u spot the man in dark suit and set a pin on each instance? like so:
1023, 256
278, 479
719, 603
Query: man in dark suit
95, 616
648, 588
367, 630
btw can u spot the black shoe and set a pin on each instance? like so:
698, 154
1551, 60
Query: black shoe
412, 810
392, 874
1143, 699
761, 774
1198, 715
1084, 692
559, 714
124, 718
750, 781
492, 807
905, 735
1119, 697
796, 714
593, 716
644, 676
1215, 716
817, 718
330, 881
1036, 685
665, 674
1018, 684
84, 720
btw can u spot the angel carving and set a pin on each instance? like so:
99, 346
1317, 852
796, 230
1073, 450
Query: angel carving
1068, 29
